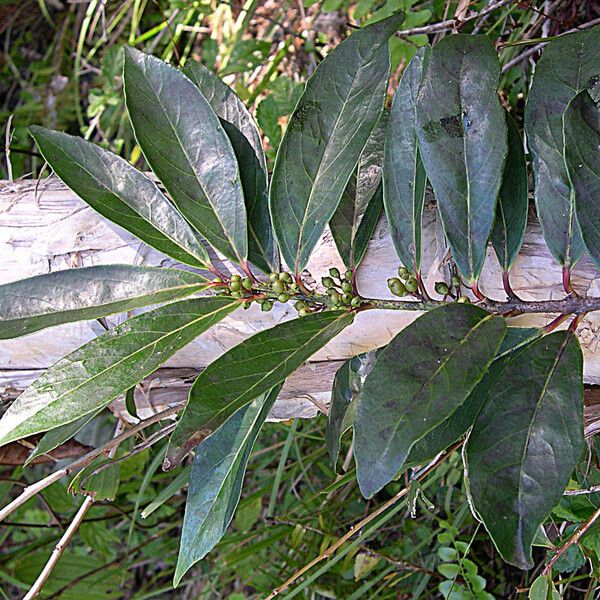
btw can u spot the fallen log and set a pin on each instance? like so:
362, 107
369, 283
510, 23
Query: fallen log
44, 227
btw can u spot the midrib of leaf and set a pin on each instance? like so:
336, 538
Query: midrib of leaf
190, 164
466, 162
141, 216
434, 375
530, 428
140, 349
318, 171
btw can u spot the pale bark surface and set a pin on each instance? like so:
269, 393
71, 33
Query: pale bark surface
49, 228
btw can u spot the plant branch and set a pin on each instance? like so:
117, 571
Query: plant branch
356, 528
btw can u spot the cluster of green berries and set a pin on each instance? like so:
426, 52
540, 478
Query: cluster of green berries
340, 289
405, 283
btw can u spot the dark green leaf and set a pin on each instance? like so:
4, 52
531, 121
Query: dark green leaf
119, 192
325, 138
462, 138
424, 374
582, 144
246, 371
457, 424
186, 147
95, 374
247, 145
216, 481
568, 65
167, 492
103, 485
42, 301
404, 175
513, 201
526, 442
356, 217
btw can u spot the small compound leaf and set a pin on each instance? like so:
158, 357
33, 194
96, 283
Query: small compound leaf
525, 443
582, 144
326, 136
458, 423
92, 376
568, 65
462, 138
513, 201
247, 371
186, 147
247, 145
422, 376
404, 175
43, 301
119, 192
356, 217
216, 481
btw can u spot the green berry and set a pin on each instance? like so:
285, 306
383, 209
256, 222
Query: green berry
347, 286
273, 277
247, 305
411, 285
294, 288
346, 298
327, 282
236, 277
331, 291
463, 300
393, 281
441, 288
285, 277
303, 312
455, 281
348, 275
247, 283
336, 299
266, 306
278, 287
334, 272
235, 285
283, 298
300, 304
356, 302
403, 272
217, 280
398, 289
237, 295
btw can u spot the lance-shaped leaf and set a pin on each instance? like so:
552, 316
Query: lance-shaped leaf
185, 145
458, 423
582, 151
526, 442
119, 192
216, 481
423, 375
568, 65
246, 371
462, 138
95, 374
42, 301
247, 145
513, 201
404, 175
356, 217
325, 138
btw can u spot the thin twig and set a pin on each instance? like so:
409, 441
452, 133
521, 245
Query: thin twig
572, 540
591, 490
356, 528
7, 142
86, 459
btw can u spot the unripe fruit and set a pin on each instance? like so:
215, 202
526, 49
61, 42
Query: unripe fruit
266, 306
300, 304
347, 298
327, 282
331, 291
411, 285
403, 272
334, 272
463, 300
356, 302
393, 281
336, 298
285, 277
278, 287
236, 277
348, 275
441, 288
294, 288
396, 287
235, 285
237, 295
455, 281
283, 298
303, 312
247, 283
273, 277
217, 280
347, 286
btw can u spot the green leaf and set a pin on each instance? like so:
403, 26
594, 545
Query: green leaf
458, 423
582, 142
169, 491
404, 175
462, 138
103, 485
526, 442
355, 219
216, 481
326, 136
568, 65
247, 145
543, 589
95, 374
42, 301
513, 201
424, 374
186, 147
119, 192
246, 371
